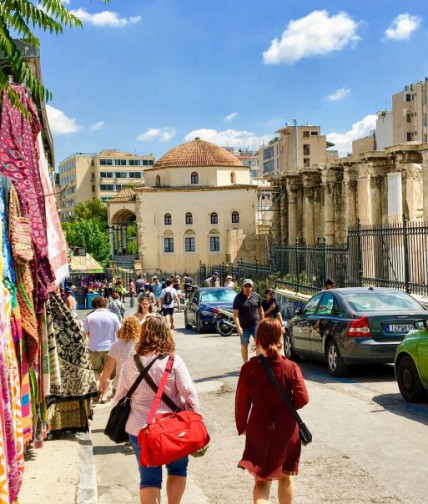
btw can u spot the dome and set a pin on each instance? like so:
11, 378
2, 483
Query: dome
197, 153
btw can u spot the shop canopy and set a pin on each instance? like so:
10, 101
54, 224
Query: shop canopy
85, 264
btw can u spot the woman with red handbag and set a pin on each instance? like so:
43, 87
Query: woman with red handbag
154, 347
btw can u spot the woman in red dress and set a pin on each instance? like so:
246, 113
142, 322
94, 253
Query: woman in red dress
272, 445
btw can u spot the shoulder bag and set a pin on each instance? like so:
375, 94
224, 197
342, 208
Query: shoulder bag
304, 433
116, 423
170, 436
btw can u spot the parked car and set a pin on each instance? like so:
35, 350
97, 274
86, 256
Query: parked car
199, 310
411, 365
355, 325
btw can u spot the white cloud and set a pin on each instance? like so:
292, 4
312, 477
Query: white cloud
339, 94
66, 2
97, 126
343, 141
318, 33
59, 123
161, 134
230, 137
105, 18
402, 27
231, 116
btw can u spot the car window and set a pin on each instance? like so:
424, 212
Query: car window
381, 301
312, 304
327, 304
214, 295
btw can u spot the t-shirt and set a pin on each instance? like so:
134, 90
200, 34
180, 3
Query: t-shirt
157, 289
139, 284
121, 350
173, 295
102, 326
267, 304
247, 309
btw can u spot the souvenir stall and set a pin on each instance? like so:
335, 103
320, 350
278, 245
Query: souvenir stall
46, 379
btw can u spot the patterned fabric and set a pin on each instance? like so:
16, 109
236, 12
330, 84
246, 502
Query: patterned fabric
5, 249
77, 375
4, 480
19, 161
70, 416
120, 351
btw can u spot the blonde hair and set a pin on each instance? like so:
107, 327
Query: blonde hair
155, 337
130, 329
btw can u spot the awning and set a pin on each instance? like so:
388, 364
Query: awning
85, 264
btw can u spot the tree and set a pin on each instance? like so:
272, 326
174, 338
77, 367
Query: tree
90, 210
87, 233
20, 17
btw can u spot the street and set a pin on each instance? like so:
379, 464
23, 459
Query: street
369, 446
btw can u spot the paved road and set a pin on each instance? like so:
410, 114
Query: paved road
369, 446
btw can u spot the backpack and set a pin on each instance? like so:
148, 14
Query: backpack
167, 300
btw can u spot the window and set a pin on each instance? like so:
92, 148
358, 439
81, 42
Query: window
189, 244
235, 217
327, 304
194, 178
233, 178
409, 137
106, 162
214, 243
167, 219
306, 162
409, 118
189, 218
93, 188
408, 97
120, 162
121, 174
306, 150
157, 181
103, 174
312, 304
106, 187
306, 134
134, 174
147, 162
214, 218
168, 245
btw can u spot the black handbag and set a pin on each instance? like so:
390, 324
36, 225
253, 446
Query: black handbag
304, 433
116, 423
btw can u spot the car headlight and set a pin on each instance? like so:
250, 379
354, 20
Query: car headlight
207, 313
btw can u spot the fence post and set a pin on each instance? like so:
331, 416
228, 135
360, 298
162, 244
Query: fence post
240, 268
406, 253
324, 261
297, 265
360, 254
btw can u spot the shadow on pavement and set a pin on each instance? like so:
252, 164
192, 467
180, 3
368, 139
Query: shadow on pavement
217, 377
108, 450
394, 403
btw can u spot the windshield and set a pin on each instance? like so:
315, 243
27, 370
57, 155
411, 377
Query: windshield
382, 301
215, 296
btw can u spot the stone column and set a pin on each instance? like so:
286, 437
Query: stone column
424, 152
364, 194
308, 213
111, 237
328, 214
292, 216
124, 239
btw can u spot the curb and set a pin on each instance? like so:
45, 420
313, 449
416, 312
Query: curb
87, 490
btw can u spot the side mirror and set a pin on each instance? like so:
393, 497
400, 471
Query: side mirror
298, 311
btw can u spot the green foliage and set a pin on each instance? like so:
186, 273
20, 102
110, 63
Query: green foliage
89, 234
131, 241
91, 210
20, 17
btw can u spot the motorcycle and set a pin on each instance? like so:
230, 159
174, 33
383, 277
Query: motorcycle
224, 323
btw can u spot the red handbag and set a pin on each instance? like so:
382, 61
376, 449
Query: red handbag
170, 436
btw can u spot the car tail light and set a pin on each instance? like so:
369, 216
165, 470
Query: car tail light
216, 310
359, 328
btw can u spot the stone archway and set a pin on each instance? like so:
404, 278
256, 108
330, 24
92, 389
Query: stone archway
123, 237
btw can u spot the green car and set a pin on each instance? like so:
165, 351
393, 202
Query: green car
411, 365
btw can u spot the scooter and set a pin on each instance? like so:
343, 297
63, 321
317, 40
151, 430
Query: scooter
224, 323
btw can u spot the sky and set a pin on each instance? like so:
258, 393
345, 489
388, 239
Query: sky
146, 75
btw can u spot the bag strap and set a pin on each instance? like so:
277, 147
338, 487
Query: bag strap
280, 390
141, 377
165, 398
160, 390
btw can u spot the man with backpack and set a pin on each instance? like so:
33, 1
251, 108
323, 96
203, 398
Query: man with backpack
168, 299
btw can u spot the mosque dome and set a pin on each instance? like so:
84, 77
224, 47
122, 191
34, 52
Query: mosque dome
197, 153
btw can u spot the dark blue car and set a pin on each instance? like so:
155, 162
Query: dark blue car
199, 310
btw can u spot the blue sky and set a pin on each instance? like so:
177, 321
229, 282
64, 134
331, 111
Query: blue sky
144, 76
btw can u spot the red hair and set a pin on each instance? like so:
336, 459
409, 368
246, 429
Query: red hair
268, 337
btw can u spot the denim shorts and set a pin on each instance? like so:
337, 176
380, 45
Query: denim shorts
247, 333
152, 476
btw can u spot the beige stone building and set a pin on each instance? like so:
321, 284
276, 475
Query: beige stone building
197, 204
83, 177
409, 108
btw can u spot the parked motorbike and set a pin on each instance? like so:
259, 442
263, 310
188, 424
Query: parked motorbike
224, 323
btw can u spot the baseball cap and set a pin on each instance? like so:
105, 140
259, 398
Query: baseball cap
216, 273
248, 281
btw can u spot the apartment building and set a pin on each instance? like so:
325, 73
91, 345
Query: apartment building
83, 177
269, 158
409, 108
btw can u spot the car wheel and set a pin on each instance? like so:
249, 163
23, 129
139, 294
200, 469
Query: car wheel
288, 347
199, 326
408, 380
186, 322
335, 362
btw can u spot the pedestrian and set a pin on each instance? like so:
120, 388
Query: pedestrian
119, 352
176, 285
272, 444
157, 289
100, 327
247, 312
131, 293
70, 301
156, 343
168, 300
144, 308
270, 306
229, 282
188, 287
116, 306
329, 284
139, 284
213, 280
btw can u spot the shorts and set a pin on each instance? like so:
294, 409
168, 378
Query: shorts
251, 331
168, 311
98, 360
152, 476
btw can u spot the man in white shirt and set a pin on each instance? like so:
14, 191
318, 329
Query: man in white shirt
168, 299
101, 327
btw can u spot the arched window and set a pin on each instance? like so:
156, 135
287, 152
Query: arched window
189, 218
194, 178
235, 217
167, 219
233, 178
214, 218
157, 181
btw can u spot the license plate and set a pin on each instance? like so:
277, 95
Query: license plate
399, 328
